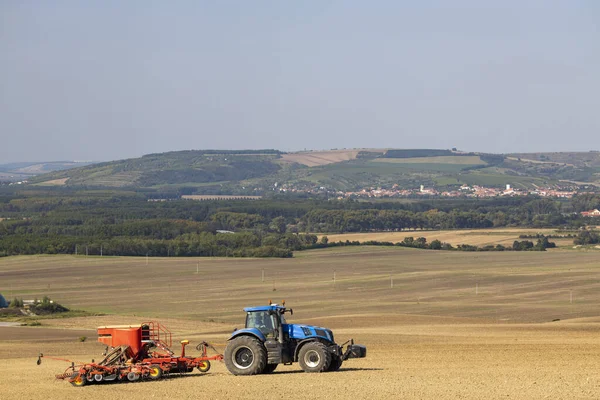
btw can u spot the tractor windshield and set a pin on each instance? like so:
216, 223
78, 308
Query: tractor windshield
263, 321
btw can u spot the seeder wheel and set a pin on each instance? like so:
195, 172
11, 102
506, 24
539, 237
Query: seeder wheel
133, 376
78, 380
204, 366
155, 372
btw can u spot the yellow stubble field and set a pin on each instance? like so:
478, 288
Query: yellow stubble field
475, 237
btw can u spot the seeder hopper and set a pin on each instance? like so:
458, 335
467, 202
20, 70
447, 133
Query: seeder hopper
137, 352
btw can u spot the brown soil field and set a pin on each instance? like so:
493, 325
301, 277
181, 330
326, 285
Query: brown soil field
316, 158
452, 326
477, 237
54, 182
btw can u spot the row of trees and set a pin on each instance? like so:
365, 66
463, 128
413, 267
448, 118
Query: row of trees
421, 243
134, 219
126, 223
242, 244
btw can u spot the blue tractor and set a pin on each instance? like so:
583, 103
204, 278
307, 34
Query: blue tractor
268, 340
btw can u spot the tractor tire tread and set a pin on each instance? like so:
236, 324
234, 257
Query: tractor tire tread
336, 363
259, 355
269, 368
321, 349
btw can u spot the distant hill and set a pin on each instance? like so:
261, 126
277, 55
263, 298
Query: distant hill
579, 167
190, 167
252, 171
13, 172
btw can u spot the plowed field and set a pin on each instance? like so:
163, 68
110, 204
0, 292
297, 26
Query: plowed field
437, 325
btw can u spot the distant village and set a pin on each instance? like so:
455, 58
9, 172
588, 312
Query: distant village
463, 191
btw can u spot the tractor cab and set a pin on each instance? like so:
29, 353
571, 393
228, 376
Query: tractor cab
267, 319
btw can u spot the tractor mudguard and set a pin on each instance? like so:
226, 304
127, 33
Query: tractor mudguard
249, 331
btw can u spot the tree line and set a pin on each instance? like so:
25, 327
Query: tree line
421, 243
125, 223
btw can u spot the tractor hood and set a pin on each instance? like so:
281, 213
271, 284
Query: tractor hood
301, 331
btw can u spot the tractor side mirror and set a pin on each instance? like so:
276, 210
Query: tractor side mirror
234, 329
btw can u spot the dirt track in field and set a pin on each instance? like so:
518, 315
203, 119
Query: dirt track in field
453, 326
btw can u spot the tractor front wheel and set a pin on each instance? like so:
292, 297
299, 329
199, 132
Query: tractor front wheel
336, 363
314, 357
245, 355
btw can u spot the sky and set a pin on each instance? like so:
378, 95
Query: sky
104, 80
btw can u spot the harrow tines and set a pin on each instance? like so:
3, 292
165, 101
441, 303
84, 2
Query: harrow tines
64, 375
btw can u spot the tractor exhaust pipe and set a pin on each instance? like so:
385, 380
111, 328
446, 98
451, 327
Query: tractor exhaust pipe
280, 334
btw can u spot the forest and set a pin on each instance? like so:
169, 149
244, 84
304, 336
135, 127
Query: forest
113, 222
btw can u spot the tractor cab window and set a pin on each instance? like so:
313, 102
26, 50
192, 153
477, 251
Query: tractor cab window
263, 321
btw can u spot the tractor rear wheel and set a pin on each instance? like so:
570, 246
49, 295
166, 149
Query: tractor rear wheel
269, 368
155, 372
78, 380
245, 355
204, 366
336, 363
314, 357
